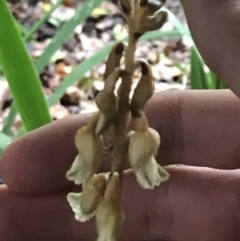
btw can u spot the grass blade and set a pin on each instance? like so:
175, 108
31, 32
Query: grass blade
218, 83
27, 36
20, 73
200, 75
4, 142
9, 121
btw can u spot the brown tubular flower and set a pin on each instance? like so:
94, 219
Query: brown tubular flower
90, 150
143, 148
85, 204
109, 214
144, 89
107, 102
114, 59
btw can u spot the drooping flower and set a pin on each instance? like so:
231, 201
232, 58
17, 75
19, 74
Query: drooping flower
84, 204
90, 150
143, 148
109, 214
106, 101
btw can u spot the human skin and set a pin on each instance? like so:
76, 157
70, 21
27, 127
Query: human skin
200, 201
214, 26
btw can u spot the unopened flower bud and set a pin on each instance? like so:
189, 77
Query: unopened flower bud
151, 6
144, 89
85, 204
151, 23
143, 16
143, 148
90, 150
114, 59
109, 214
107, 102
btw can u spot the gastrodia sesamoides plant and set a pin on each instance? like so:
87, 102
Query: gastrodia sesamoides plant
101, 192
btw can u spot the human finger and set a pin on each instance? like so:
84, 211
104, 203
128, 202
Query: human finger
197, 128
214, 28
196, 203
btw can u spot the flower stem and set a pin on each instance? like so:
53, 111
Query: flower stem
123, 117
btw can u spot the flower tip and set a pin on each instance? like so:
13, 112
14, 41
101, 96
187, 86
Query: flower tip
126, 6
81, 217
144, 182
143, 3
119, 48
74, 202
163, 173
74, 173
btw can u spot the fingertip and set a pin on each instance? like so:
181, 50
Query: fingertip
37, 162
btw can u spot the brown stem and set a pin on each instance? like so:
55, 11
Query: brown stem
129, 55
122, 119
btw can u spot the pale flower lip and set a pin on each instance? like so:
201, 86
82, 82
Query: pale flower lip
90, 151
74, 202
151, 175
84, 204
79, 171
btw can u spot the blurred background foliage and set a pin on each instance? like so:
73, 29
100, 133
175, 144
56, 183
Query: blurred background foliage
52, 55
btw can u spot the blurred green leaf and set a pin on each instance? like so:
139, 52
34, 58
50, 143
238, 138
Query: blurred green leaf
20, 73
4, 142
9, 121
218, 83
201, 76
